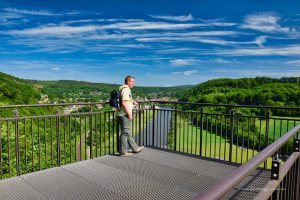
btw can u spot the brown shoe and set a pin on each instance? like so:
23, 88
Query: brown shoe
127, 154
139, 149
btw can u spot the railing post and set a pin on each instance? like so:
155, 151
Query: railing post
267, 127
231, 133
175, 127
91, 132
58, 136
201, 129
296, 144
140, 126
275, 169
17, 141
153, 125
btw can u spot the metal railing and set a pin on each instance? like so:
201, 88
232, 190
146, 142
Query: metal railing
233, 133
233, 179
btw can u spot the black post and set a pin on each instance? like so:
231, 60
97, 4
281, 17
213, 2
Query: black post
201, 129
153, 126
140, 126
91, 132
175, 127
17, 141
231, 133
58, 137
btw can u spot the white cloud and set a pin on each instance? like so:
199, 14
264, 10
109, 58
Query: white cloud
293, 62
293, 50
149, 26
52, 30
185, 73
29, 12
265, 22
55, 68
184, 62
188, 73
181, 18
221, 60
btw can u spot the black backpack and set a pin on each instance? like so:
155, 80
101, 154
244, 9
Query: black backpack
115, 99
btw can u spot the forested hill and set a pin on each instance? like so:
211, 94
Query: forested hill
86, 91
14, 90
247, 91
17, 91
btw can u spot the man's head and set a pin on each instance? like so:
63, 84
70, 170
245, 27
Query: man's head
130, 81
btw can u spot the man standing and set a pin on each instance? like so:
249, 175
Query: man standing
125, 117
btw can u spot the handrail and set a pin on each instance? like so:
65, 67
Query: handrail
151, 101
225, 105
233, 179
51, 104
268, 189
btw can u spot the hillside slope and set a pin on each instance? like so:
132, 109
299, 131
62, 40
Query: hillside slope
247, 91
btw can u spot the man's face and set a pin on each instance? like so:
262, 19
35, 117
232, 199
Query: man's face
131, 82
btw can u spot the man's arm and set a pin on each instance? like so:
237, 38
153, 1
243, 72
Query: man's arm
128, 111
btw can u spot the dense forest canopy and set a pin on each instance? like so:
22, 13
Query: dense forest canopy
247, 91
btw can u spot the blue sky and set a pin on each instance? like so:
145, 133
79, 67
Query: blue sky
161, 43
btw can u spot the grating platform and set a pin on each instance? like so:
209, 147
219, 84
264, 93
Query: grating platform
150, 174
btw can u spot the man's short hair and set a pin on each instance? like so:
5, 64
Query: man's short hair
128, 78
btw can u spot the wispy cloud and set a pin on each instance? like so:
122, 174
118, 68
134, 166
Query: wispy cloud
29, 12
221, 60
150, 26
52, 30
186, 73
292, 50
184, 62
55, 68
181, 18
293, 62
264, 22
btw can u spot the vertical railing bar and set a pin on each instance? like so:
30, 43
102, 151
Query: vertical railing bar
39, 143
210, 136
91, 133
100, 130
80, 139
32, 144
243, 142
231, 134
216, 132
221, 136
237, 138
206, 133
17, 142
96, 132
70, 137
104, 132
254, 133
109, 147
25, 142
85, 138
153, 124
75, 139
45, 141
280, 133
51, 143
197, 127
65, 129
8, 139
58, 137
226, 134
201, 130
141, 126
248, 138
113, 132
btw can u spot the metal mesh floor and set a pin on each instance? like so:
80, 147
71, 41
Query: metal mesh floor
150, 174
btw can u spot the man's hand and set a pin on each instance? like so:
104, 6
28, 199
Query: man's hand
130, 117
135, 103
